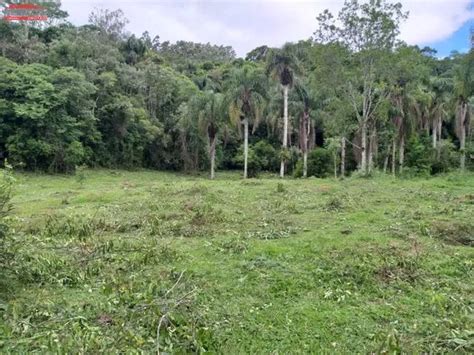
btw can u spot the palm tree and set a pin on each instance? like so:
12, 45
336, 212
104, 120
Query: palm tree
440, 86
211, 119
404, 103
305, 124
246, 101
464, 90
419, 100
282, 65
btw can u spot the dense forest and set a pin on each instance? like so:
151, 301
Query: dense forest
352, 97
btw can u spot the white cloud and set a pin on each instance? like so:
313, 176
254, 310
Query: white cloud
434, 20
246, 24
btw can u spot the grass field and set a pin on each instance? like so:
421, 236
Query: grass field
115, 261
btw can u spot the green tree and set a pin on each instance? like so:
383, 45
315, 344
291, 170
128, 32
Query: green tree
246, 100
282, 65
51, 117
212, 117
370, 30
464, 90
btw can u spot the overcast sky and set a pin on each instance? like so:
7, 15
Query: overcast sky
246, 24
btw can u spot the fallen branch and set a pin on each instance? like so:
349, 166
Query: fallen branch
175, 304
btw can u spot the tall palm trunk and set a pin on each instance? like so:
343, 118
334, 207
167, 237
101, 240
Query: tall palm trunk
363, 147
435, 134
305, 164
438, 145
462, 134
212, 153
394, 156
385, 162
343, 157
402, 153
290, 132
312, 135
387, 158
246, 145
463, 150
305, 128
440, 128
285, 129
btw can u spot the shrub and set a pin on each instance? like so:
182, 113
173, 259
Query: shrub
253, 164
470, 155
320, 164
419, 156
6, 182
267, 156
262, 157
447, 159
423, 160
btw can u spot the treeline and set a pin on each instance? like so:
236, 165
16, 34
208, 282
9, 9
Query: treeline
350, 98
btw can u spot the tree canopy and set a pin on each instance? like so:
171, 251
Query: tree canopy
97, 95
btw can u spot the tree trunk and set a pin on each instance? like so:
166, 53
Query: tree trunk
435, 134
370, 160
463, 149
312, 141
402, 153
285, 129
306, 129
343, 157
462, 135
289, 142
371, 151
363, 147
305, 164
246, 145
212, 152
440, 128
394, 156
335, 164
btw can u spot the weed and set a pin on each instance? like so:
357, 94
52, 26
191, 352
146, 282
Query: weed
281, 188
334, 204
80, 175
72, 226
233, 246
269, 234
453, 232
400, 264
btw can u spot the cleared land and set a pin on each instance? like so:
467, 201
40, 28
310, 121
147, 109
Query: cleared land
104, 260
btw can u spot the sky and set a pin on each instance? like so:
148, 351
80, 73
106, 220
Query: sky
246, 24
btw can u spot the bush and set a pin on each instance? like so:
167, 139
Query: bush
447, 160
293, 157
423, 160
470, 155
320, 164
6, 182
419, 156
267, 156
262, 157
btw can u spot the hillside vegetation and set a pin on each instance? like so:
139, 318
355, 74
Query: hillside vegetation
352, 97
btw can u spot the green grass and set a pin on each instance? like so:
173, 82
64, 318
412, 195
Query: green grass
232, 266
